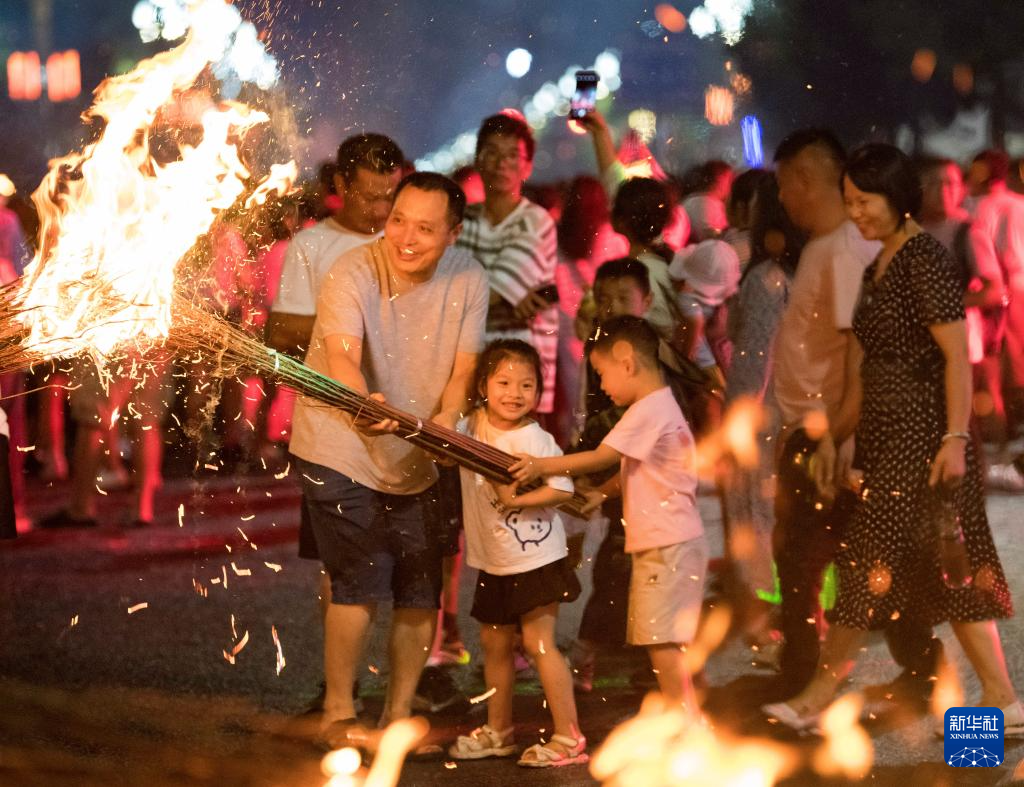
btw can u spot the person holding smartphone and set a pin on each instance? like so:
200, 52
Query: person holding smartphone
515, 241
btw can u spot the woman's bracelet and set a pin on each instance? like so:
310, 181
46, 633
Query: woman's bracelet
956, 436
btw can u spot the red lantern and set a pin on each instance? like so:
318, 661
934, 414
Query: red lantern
24, 78
63, 76
718, 105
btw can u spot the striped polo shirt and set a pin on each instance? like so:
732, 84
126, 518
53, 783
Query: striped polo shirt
519, 255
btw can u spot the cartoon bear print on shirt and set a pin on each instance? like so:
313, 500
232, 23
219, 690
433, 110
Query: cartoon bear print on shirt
527, 529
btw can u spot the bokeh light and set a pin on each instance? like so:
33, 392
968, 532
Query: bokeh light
963, 78
607, 65
741, 84
702, 22
550, 100
753, 146
923, 65
518, 63
718, 105
245, 58
670, 17
722, 16
644, 122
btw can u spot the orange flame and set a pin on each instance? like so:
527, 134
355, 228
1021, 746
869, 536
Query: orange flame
847, 750
391, 745
736, 439
948, 692
115, 221
663, 746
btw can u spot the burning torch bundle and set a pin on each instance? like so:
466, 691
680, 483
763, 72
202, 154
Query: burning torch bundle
121, 268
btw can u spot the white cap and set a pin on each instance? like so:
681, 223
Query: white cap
6, 186
707, 216
711, 268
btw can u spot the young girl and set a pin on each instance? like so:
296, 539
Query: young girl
518, 544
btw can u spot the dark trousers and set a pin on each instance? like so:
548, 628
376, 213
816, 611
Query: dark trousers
809, 535
8, 528
604, 617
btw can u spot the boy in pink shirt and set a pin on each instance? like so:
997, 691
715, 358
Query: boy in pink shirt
654, 448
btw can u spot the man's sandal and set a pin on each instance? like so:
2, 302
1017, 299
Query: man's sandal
483, 742
543, 756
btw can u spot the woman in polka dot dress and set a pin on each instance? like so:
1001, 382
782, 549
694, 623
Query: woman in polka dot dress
911, 438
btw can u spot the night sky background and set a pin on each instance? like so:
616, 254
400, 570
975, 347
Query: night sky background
424, 71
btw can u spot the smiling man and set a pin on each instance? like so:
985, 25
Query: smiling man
402, 318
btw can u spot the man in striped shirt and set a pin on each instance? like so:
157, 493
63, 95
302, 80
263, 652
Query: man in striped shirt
515, 241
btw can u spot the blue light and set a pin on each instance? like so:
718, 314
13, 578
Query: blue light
753, 150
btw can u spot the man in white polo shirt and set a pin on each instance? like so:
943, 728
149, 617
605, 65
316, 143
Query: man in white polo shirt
369, 168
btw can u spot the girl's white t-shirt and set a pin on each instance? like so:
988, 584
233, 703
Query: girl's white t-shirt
504, 541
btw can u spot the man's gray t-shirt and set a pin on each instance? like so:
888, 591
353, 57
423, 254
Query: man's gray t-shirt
409, 346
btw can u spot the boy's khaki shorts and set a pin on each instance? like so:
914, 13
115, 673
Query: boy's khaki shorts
666, 591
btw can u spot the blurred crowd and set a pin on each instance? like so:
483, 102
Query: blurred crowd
751, 281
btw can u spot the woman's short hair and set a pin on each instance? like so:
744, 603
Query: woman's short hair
883, 169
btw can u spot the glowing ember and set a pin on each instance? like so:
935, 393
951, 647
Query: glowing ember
230, 657
815, 424
847, 750
948, 692
742, 422
710, 635
281, 663
481, 697
341, 762
735, 441
398, 740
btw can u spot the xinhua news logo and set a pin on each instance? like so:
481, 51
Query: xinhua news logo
973, 737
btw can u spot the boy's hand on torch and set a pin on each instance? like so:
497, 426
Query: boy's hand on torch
371, 428
527, 468
595, 498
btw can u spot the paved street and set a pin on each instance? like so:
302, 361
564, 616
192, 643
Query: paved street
116, 651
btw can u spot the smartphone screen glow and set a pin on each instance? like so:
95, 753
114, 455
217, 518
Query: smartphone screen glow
585, 98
